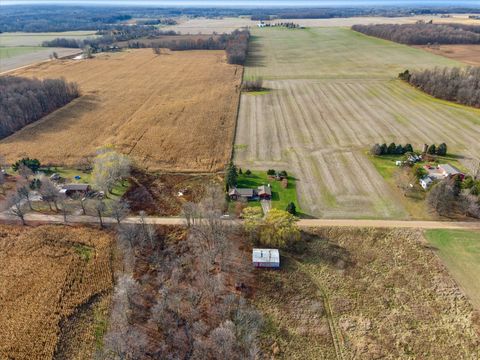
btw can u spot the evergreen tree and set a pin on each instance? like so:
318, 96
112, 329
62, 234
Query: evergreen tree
291, 208
432, 149
391, 149
442, 149
399, 150
408, 148
232, 176
376, 150
384, 149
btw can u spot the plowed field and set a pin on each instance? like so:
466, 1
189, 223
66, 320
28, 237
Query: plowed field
174, 111
333, 94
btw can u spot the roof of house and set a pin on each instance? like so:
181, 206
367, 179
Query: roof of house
264, 190
426, 180
265, 256
449, 169
76, 187
241, 192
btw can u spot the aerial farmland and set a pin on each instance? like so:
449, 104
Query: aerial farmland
332, 94
142, 103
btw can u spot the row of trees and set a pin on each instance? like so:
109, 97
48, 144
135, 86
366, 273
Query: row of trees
24, 100
423, 33
461, 85
391, 149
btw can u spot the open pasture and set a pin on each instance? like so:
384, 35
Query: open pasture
36, 39
333, 94
173, 111
46, 273
12, 58
365, 294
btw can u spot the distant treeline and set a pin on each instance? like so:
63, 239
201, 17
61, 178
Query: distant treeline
24, 101
235, 44
43, 18
109, 37
461, 85
423, 33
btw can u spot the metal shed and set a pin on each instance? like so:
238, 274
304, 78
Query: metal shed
266, 258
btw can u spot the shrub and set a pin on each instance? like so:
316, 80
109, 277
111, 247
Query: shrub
32, 164
254, 84
283, 173
279, 229
420, 172
248, 172
271, 172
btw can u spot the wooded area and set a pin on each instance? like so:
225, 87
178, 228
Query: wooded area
454, 84
24, 101
423, 33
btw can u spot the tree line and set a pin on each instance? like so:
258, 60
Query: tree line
461, 85
24, 100
423, 33
234, 44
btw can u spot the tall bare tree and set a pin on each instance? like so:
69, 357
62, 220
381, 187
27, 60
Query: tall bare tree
16, 206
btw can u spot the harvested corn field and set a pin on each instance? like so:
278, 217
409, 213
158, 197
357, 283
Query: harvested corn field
46, 274
347, 297
173, 112
333, 94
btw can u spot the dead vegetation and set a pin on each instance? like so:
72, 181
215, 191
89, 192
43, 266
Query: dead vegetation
46, 274
164, 194
142, 104
365, 294
178, 295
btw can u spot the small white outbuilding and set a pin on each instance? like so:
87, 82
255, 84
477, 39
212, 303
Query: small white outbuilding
266, 258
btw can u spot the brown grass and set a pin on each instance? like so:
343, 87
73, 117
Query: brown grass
46, 273
172, 112
469, 54
366, 294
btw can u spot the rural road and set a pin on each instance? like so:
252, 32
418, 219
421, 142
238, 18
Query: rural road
303, 223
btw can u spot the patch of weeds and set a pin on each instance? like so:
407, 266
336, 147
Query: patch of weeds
84, 251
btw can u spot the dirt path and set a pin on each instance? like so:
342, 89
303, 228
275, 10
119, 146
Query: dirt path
303, 223
336, 334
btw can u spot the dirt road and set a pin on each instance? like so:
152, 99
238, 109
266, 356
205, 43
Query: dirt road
303, 223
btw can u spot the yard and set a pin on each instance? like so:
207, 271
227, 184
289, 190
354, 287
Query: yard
281, 197
399, 179
460, 251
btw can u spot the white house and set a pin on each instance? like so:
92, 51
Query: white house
266, 258
425, 182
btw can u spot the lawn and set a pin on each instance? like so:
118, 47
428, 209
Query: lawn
399, 178
460, 251
280, 197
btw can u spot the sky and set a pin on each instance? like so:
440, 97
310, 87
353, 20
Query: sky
255, 3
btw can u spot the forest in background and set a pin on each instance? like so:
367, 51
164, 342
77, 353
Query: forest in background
423, 33
24, 101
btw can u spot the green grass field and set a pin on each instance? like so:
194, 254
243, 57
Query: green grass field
460, 251
9, 52
36, 39
280, 197
326, 53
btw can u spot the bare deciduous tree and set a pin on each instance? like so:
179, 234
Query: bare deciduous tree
16, 206
50, 193
99, 208
119, 210
24, 171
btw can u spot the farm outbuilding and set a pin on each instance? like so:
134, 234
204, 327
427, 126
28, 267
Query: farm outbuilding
266, 258
70, 189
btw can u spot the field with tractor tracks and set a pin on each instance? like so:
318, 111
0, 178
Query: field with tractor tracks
172, 112
333, 94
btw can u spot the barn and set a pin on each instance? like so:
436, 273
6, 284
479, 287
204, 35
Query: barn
266, 258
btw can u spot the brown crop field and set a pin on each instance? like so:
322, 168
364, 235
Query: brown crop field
46, 273
173, 112
365, 294
333, 94
469, 54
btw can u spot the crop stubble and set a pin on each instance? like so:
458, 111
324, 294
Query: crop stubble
333, 95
